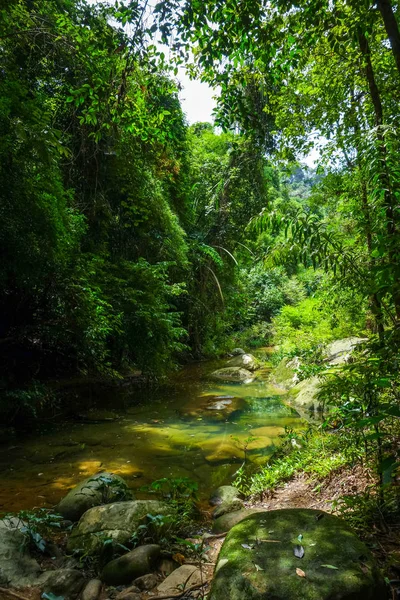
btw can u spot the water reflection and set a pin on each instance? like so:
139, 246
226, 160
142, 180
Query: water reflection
193, 428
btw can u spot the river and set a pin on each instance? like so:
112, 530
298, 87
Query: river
194, 427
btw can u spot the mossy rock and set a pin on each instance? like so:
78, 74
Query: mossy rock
102, 488
118, 522
336, 564
244, 361
230, 519
233, 375
224, 493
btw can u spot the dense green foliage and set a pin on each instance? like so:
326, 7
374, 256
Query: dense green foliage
132, 241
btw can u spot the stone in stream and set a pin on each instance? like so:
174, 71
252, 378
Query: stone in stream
132, 565
102, 488
117, 521
244, 361
233, 375
17, 567
334, 564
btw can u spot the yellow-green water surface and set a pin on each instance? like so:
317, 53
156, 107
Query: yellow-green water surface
187, 429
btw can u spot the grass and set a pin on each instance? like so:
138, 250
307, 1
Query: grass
313, 452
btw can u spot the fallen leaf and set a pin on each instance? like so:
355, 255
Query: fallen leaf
298, 551
258, 568
313, 544
300, 537
300, 573
247, 547
330, 567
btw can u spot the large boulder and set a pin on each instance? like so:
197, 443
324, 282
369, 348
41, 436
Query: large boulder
295, 553
17, 567
134, 564
117, 521
233, 375
339, 351
102, 488
244, 361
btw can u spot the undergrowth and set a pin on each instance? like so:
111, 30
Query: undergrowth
313, 452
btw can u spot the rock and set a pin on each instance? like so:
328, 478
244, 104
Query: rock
224, 493
92, 590
167, 566
17, 567
339, 351
128, 567
244, 361
129, 593
268, 570
233, 374
146, 582
128, 596
180, 579
117, 521
227, 507
303, 397
62, 582
237, 352
229, 520
102, 488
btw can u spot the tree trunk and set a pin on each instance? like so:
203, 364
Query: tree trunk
392, 28
384, 175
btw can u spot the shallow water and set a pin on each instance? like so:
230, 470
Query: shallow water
187, 429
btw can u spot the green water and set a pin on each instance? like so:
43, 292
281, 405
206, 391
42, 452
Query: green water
184, 430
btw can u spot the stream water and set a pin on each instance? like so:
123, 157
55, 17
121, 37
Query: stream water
192, 428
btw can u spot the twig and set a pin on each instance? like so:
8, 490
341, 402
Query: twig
216, 536
170, 596
13, 594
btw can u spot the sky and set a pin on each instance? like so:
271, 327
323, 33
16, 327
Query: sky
196, 99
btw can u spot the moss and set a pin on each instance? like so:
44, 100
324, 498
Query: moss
326, 540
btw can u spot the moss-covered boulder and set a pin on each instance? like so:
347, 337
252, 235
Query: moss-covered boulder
102, 488
116, 521
134, 564
258, 560
233, 374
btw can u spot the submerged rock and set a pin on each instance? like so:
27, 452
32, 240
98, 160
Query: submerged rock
132, 565
334, 563
245, 361
233, 374
102, 488
17, 567
117, 521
